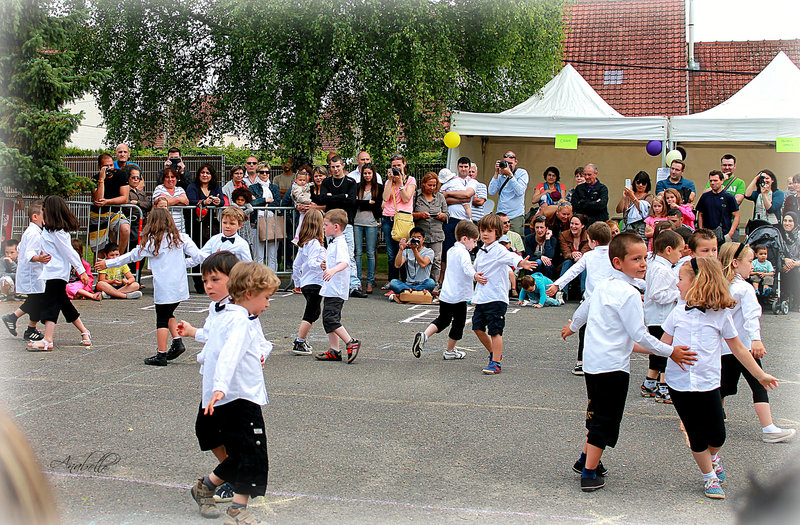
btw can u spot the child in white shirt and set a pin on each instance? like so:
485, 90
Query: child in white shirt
228, 239
660, 297
491, 297
703, 324
31, 262
737, 259
169, 253
336, 288
614, 318
234, 392
307, 275
456, 292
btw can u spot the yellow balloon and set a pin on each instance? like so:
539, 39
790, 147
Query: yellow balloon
452, 139
672, 156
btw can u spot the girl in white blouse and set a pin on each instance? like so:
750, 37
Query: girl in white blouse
737, 263
169, 253
56, 242
703, 324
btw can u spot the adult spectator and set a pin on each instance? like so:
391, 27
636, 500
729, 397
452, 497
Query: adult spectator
591, 197
514, 239
340, 192
123, 154
206, 194
251, 172
792, 200
509, 184
549, 192
677, 181
717, 209
480, 206
416, 258
398, 194
541, 248
174, 160
763, 191
558, 221
730, 182
285, 179
264, 194
458, 192
574, 242
176, 196
139, 197
579, 179
430, 216
112, 189
367, 221
361, 159
790, 267
237, 181
634, 205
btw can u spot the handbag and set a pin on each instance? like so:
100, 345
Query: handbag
273, 225
403, 222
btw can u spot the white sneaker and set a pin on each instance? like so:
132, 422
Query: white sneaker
448, 355
391, 297
133, 295
560, 297
105, 295
785, 434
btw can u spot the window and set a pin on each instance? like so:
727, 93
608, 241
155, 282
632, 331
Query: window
612, 77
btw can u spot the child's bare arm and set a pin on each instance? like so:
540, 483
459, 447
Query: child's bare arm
329, 273
186, 329
747, 360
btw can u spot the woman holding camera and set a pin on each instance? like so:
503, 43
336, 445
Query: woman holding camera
763, 190
398, 193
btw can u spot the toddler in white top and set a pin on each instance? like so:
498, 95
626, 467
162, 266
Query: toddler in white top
301, 194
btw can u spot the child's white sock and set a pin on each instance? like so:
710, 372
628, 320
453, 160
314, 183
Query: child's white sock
711, 475
771, 428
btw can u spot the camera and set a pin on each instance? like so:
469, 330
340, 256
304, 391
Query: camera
396, 172
414, 242
175, 162
502, 164
113, 172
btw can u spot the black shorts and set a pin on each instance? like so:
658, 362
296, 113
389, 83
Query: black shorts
656, 362
313, 301
490, 317
165, 312
208, 430
732, 370
702, 417
607, 394
54, 300
455, 313
32, 306
245, 440
332, 314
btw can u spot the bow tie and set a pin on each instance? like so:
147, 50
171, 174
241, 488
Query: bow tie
219, 307
252, 317
701, 308
229, 239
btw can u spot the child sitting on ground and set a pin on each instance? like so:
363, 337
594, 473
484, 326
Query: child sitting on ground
763, 272
76, 289
8, 269
120, 282
532, 292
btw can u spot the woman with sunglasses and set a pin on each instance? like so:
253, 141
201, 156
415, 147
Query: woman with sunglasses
265, 193
634, 205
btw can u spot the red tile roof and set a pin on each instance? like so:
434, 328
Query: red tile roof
707, 90
631, 32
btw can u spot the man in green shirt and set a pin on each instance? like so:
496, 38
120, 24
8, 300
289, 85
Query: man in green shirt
734, 185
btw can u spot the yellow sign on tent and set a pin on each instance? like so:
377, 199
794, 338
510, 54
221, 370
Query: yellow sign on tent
786, 145
566, 142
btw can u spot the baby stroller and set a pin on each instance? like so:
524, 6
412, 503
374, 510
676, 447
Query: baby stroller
770, 236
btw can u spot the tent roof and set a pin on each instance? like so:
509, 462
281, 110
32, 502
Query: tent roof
566, 105
766, 108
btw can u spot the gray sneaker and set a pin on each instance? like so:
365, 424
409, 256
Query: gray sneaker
560, 297
105, 295
10, 321
204, 497
133, 295
448, 355
301, 348
785, 434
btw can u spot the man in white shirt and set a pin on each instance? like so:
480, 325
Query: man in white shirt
362, 159
458, 191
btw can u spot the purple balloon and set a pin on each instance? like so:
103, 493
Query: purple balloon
654, 147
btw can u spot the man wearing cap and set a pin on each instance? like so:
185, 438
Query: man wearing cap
509, 184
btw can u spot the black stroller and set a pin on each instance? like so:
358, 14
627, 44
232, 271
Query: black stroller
770, 236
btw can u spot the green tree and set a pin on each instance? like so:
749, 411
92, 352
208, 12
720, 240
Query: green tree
38, 75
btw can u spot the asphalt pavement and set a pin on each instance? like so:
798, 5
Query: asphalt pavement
387, 439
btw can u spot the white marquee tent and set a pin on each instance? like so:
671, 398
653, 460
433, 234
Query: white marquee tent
766, 108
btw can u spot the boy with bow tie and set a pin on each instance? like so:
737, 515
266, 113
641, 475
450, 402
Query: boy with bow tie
229, 239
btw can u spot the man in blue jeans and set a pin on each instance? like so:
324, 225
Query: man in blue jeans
417, 260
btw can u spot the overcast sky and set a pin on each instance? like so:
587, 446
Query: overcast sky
726, 20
